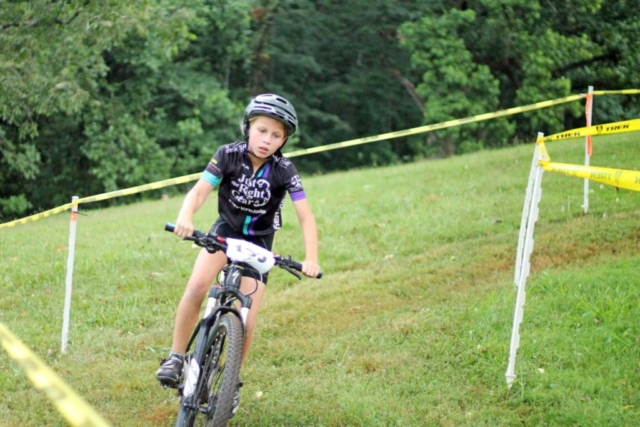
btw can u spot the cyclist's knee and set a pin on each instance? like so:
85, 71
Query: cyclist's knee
196, 291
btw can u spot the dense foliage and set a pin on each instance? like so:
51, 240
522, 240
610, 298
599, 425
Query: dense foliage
98, 96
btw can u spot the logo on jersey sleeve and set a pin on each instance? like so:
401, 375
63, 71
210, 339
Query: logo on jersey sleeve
296, 183
213, 167
237, 147
282, 161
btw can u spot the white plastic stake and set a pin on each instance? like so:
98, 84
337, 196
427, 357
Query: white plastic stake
525, 214
587, 156
67, 296
525, 266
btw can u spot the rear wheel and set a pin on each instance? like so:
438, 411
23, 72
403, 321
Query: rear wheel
222, 369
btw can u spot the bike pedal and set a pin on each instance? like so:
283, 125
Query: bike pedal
166, 384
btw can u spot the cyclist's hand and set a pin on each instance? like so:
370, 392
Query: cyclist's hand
310, 268
184, 227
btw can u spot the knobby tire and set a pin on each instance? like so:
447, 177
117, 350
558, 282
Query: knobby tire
222, 368
186, 417
219, 376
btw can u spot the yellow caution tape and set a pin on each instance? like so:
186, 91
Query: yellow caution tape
344, 144
37, 216
105, 196
543, 155
436, 126
457, 122
615, 177
76, 411
604, 129
617, 92
141, 188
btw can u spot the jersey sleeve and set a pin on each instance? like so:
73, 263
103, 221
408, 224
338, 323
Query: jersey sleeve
294, 183
214, 171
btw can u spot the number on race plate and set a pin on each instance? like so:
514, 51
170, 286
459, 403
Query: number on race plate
259, 258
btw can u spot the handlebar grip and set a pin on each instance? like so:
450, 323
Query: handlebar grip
169, 226
298, 266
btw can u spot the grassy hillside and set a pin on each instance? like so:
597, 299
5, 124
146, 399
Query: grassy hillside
409, 326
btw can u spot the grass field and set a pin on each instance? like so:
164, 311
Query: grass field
410, 325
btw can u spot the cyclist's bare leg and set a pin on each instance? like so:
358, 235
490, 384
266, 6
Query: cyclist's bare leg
205, 270
256, 289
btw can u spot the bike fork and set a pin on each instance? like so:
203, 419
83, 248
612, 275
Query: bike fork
244, 313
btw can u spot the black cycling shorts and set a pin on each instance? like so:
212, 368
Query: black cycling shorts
222, 228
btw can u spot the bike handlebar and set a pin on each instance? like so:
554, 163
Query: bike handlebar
213, 243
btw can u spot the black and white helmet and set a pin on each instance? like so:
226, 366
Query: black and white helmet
273, 106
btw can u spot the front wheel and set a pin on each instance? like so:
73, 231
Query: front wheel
221, 369
186, 417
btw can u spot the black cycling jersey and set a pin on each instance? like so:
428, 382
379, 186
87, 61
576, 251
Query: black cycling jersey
250, 202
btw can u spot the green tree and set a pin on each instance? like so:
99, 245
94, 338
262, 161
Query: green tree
51, 58
534, 51
611, 34
341, 65
453, 85
111, 95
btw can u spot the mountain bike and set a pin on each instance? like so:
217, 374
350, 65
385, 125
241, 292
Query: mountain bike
212, 362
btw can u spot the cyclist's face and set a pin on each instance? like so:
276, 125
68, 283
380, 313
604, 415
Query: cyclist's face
266, 135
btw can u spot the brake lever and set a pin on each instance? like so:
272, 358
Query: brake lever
200, 240
210, 249
292, 271
193, 239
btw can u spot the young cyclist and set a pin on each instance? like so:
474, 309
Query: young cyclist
253, 178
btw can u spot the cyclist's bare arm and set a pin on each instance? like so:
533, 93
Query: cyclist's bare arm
192, 203
307, 220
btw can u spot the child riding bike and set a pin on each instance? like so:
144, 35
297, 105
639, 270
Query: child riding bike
253, 178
